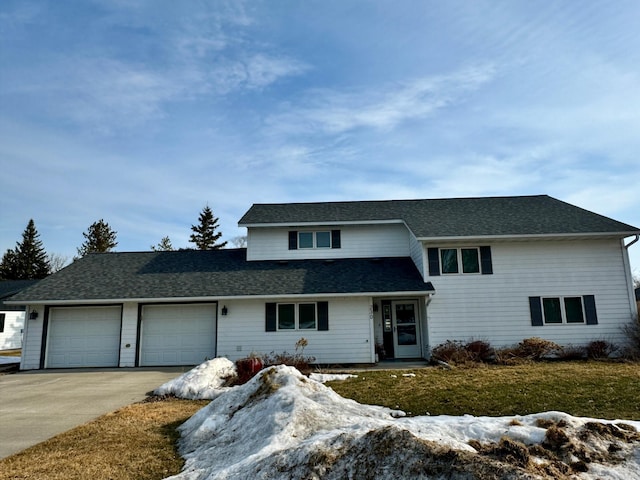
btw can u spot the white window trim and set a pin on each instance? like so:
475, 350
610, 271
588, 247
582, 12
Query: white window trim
296, 314
563, 310
459, 257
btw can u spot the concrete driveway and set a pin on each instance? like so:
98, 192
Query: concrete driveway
38, 405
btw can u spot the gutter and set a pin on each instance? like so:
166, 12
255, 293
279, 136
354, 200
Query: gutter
632, 242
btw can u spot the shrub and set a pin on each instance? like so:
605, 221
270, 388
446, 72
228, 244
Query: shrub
632, 331
455, 351
297, 359
536, 348
480, 351
572, 352
600, 349
451, 351
510, 356
302, 363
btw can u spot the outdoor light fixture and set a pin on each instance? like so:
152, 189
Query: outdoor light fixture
375, 307
33, 315
224, 310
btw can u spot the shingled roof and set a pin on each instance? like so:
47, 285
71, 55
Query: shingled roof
8, 288
449, 217
216, 274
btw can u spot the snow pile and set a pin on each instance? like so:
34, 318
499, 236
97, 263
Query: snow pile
282, 424
204, 382
330, 377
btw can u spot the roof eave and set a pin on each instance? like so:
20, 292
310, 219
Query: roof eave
544, 236
322, 223
117, 301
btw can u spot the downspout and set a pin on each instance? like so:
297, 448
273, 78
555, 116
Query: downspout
627, 266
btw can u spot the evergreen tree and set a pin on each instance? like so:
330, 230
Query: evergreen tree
204, 235
99, 238
9, 265
163, 246
28, 260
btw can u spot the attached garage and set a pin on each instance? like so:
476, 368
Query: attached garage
83, 337
177, 334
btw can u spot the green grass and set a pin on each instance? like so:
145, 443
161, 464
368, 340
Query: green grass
592, 389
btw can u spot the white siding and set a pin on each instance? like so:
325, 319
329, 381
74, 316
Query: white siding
417, 254
128, 335
496, 307
11, 336
363, 241
32, 340
348, 340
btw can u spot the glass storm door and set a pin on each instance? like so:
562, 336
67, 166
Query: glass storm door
406, 329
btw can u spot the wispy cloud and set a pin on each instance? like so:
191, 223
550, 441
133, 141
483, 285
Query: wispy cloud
382, 108
200, 53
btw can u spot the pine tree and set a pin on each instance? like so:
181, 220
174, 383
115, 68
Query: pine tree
163, 246
99, 238
204, 235
9, 265
28, 260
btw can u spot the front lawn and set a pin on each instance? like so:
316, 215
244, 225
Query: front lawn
589, 389
138, 441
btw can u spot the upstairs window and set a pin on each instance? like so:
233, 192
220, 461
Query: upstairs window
459, 260
451, 261
314, 239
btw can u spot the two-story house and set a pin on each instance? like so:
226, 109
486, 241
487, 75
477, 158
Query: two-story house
405, 275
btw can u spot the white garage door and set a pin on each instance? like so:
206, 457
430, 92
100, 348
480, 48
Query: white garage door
84, 337
177, 334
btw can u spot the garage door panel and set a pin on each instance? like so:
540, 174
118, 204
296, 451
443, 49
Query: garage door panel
177, 334
84, 337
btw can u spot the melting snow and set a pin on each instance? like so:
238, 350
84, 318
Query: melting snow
204, 382
282, 424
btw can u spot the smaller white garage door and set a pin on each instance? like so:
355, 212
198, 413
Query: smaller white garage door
177, 334
84, 337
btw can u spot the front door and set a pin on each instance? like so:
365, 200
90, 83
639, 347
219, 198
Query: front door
406, 329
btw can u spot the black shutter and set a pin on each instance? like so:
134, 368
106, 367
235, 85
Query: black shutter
2, 316
434, 261
335, 239
293, 240
485, 261
590, 309
535, 305
323, 315
271, 317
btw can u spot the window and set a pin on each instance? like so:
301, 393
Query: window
452, 258
573, 310
305, 239
323, 239
315, 239
563, 310
286, 316
297, 316
449, 257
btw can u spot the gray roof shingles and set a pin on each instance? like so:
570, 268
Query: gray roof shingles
218, 273
450, 217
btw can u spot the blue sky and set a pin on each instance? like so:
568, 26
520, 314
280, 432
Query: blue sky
142, 112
